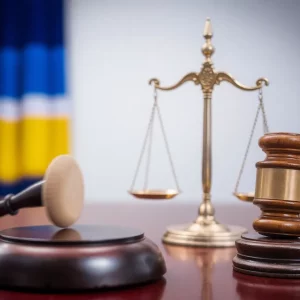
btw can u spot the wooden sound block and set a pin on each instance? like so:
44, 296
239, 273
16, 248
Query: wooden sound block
268, 257
78, 258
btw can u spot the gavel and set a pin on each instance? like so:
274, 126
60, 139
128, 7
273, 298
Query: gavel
61, 192
278, 186
274, 249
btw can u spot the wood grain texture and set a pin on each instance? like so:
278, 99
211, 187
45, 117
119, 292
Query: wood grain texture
90, 257
267, 257
201, 274
282, 150
276, 193
278, 218
266, 288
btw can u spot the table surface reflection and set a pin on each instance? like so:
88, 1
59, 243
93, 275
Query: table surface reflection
192, 273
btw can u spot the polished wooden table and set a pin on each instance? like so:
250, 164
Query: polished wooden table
192, 273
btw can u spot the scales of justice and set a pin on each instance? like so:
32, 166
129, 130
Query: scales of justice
205, 231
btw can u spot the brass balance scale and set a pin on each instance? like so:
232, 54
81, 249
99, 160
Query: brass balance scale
205, 231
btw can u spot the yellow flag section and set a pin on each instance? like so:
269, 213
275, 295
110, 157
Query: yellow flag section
28, 145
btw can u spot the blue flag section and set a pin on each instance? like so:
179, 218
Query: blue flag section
34, 109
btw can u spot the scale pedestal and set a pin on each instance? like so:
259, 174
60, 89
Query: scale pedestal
205, 231
212, 235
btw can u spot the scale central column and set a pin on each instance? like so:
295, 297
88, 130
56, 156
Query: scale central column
205, 231
206, 210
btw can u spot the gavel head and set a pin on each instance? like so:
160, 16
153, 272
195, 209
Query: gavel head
277, 191
61, 192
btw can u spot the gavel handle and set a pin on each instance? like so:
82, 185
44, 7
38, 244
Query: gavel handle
30, 197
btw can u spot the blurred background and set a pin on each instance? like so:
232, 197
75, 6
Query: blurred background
74, 79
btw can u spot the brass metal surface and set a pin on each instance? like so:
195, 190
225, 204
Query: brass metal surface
206, 209
277, 183
248, 197
154, 194
204, 233
212, 235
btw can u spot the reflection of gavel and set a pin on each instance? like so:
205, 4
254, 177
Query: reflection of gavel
61, 192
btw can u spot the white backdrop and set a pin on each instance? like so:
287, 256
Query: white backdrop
115, 47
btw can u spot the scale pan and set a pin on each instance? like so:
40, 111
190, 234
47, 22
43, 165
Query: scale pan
154, 194
249, 197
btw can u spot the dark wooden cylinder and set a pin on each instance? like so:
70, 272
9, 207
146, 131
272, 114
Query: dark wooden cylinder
84, 257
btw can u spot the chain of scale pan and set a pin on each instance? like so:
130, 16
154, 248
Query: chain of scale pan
166, 141
149, 127
149, 135
260, 97
266, 129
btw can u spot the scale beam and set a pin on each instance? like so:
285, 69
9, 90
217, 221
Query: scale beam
222, 76
188, 77
208, 78
205, 230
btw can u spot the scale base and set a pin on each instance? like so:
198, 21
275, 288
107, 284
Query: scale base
203, 235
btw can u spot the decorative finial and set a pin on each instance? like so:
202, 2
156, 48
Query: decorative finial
208, 49
208, 29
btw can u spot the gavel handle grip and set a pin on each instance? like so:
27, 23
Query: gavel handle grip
5, 206
30, 197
